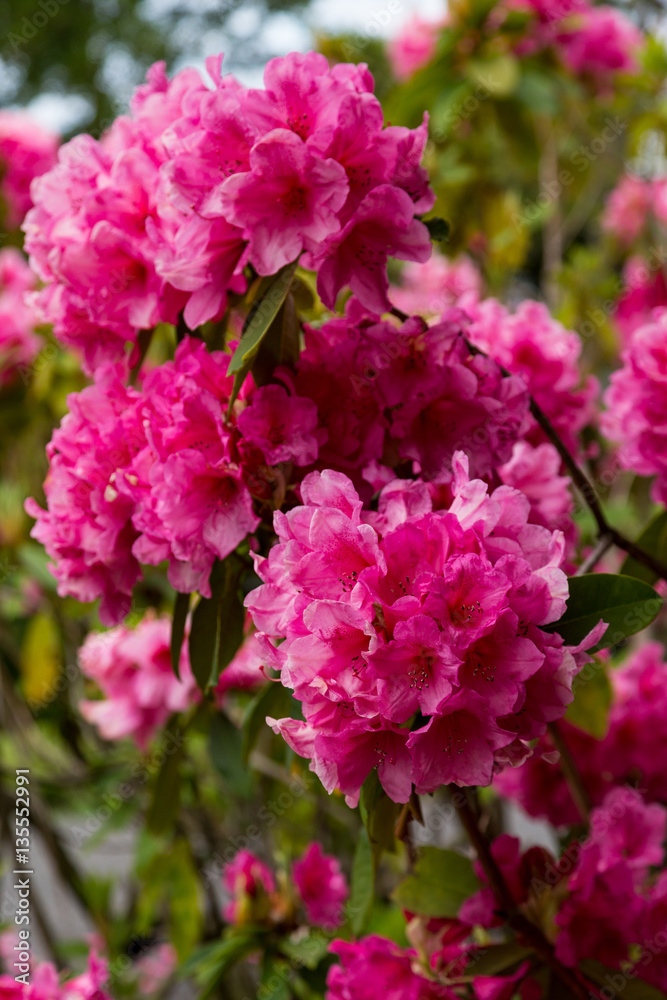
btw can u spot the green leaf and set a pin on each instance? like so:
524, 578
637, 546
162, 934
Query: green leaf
307, 951
271, 297
181, 608
496, 959
273, 700
166, 799
363, 884
217, 624
281, 344
438, 229
440, 883
225, 746
276, 976
209, 964
654, 540
620, 984
185, 912
592, 700
627, 605
378, 813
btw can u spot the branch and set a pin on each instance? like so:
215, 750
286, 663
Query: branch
515, 919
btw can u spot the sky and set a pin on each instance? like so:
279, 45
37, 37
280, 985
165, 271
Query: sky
281, 32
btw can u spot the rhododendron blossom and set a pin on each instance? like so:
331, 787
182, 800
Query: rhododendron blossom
45, 983
431, 288
410, 615
249, 884
19, 345
322, 887
132, 668
160, 216
140, 476
26, 151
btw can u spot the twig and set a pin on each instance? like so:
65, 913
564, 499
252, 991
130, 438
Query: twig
590, 562
509, 910
571, 772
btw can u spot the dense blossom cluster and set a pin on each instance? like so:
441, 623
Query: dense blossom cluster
319, 884
633, 750
636, 404
163, 472
26, 152
44, 983
631, 205
161, 215
414, 395
644, 289
412, 614
19, 344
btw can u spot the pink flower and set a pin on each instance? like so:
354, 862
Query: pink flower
287, 202
322, 887
376, 966
627, 208
431, 288
19, 345
533, 345
45, 983
414, 46
408, 610
383, 226
87, 529
644, 292
155, 968
132, 668
600, 41
626, 829
651, 963
636, 404
508, 987
249, 883
26, 152
283, 427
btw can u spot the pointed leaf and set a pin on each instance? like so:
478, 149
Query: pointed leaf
181, 608
592, 700
225, 746
627, 605
441, 882
654, 540
273, 700
362, 887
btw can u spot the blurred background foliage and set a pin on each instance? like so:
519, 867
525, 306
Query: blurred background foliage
522, 155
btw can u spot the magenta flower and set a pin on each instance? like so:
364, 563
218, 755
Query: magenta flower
249, 884
322, 887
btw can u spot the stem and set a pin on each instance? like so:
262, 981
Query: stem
571, 772
590, 562
515, 919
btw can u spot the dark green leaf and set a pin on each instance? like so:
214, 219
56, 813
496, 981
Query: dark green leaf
439, 229
271, 297
496, 959
232, 615
225, 745
166, 799
276, 976
627, 605
440, 883
185, 911
654, 540
620, 984
273, 700
363, 884
217, 624
592, 700
208, 966
181, 608
281, 344
379, 814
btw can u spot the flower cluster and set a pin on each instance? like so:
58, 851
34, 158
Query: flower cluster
26, 152
633, 749
161, 215
530, 343
18, 342
432, 288
45, 983
414, 46
320, 886
412, 637
644, 289
630, 204
132, 668
591, 40
636, 404
164, 472
413, 395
